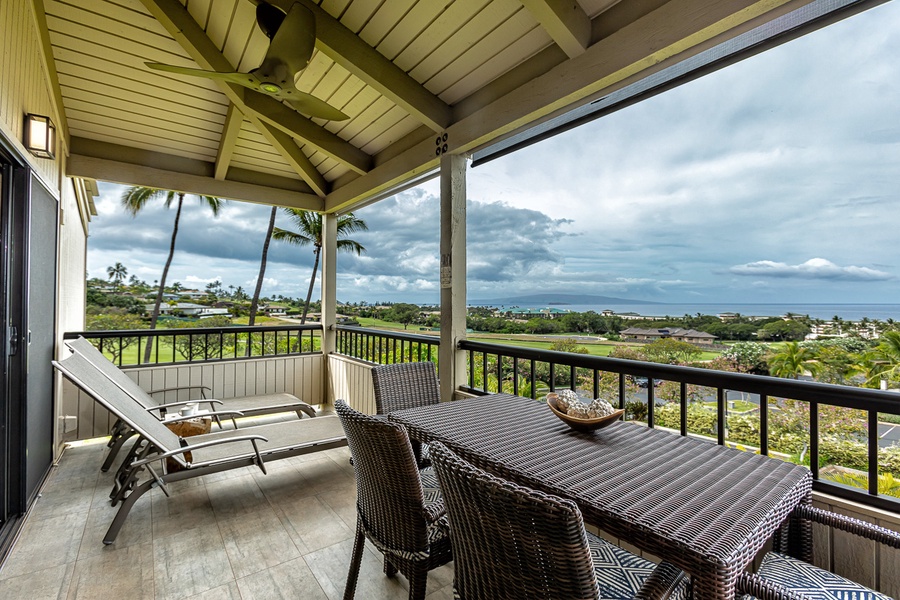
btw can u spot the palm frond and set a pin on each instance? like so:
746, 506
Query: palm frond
291, 237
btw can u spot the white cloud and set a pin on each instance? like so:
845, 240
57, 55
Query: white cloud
195, 280
814, 268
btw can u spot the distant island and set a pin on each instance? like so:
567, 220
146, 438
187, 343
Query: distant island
559, 299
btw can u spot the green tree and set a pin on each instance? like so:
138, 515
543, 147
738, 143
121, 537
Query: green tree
117, 273
749, 356
114, 347
254, 303
884, 359
671, 351
309, 231
783, 330
404, 313
134, 199
792, 361
568, 345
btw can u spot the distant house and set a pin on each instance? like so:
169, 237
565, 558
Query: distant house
676, 333
625, 315
193, 294
274, 310
544, 313
189, 309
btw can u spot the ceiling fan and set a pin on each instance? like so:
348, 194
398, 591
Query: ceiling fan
293, 38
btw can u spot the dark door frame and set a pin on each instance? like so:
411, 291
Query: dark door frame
15, 193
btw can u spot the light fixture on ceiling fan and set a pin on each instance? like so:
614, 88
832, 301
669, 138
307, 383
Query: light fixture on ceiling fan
293, 39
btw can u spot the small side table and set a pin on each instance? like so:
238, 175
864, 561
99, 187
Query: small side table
200, 423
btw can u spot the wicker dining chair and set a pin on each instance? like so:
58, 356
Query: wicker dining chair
398, 508
406, 385
783, 577
513, 542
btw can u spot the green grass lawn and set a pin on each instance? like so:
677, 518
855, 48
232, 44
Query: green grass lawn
739, 405
164, 352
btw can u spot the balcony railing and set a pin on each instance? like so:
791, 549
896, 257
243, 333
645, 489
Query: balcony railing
852, 414
193, 345
385, 347
830, 424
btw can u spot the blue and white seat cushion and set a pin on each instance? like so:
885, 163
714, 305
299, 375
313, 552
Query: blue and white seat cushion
620, 574
811, 581
436, 532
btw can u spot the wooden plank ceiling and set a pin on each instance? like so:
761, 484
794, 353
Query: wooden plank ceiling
406, 72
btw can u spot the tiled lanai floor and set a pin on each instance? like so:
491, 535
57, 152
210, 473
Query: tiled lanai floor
238, 534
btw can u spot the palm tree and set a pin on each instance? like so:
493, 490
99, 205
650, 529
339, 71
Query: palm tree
117, 273
792, 361
884, 359
254, 304
134, 199
309, 231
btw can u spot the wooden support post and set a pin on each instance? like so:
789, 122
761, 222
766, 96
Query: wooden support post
452, 363
329, 296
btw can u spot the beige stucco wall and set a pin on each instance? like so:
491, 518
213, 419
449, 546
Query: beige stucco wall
24, 83
25, 87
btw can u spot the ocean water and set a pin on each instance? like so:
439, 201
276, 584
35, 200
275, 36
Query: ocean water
847, 312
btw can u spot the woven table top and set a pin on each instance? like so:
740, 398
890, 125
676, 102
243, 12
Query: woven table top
705, 508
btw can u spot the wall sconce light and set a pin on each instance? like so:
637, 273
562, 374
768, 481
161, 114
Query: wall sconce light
40, 136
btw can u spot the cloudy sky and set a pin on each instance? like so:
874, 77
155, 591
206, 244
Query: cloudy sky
774, 180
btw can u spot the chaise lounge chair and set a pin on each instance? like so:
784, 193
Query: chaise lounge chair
242, 406
194, 456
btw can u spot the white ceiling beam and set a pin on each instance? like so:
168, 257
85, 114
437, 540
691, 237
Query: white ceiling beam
565, 21
181, 26
649, 44
230, 131
346, 49
114, 171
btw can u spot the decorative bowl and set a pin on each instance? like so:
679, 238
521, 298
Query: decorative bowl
582, 424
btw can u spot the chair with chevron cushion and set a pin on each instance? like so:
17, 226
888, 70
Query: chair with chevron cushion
398, 508
513, 542
782, 577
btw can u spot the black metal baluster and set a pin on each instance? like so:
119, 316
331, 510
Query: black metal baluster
515, 376
814, 439
533, 387
622, 391
764, 424
552, 377
651, 402
720, 418
873, 452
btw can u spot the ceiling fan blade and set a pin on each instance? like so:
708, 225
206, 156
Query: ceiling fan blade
313, 107
245, 79
294, 42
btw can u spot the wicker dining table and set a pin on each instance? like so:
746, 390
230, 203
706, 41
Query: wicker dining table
706, 508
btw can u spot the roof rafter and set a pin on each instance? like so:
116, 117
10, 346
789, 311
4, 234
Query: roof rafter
565, 21
230, 131
295, 157
181, 26
291, 122
346, 49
